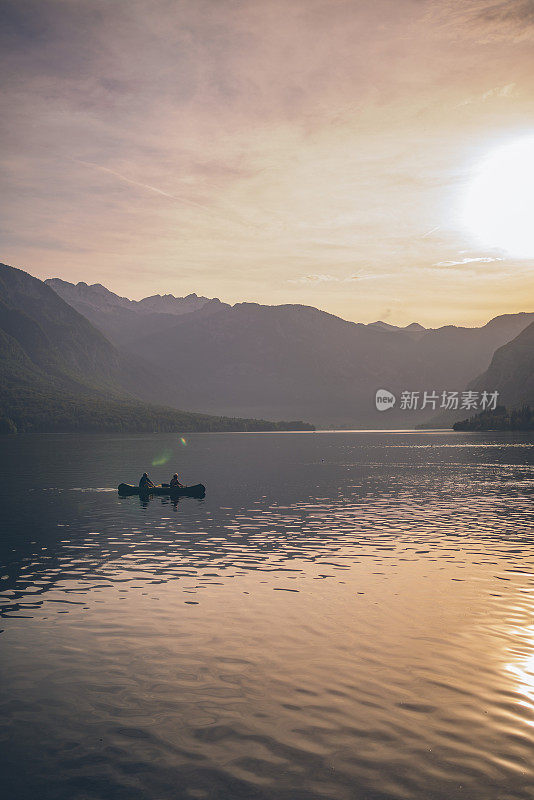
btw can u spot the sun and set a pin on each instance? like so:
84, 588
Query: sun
499, 205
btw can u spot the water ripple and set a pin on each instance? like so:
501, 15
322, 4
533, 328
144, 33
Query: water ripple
348, 618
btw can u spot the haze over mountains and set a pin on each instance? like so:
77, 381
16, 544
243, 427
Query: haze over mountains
289, 361
119, 318
58, 372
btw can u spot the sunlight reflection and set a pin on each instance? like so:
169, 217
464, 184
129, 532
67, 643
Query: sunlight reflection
523, 669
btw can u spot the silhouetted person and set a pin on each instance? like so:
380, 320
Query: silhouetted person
145, 482
175, 483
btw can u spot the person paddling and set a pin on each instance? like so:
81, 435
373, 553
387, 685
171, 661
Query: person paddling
175, 483
145, 482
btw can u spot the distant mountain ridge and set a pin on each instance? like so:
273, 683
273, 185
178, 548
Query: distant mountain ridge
119, 318
297, 361
97, 296
58, 372
414, 328
94, 298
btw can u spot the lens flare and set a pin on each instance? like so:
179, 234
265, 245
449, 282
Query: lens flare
183, 441
163, 458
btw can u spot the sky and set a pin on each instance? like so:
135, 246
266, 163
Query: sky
293, 151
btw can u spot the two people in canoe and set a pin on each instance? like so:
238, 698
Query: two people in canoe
146, 483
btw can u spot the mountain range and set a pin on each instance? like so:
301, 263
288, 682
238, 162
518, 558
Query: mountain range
289, 361
58, 372
121, 319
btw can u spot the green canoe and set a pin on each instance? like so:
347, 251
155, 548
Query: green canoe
198, 490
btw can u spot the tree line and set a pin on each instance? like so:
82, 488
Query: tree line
500, 419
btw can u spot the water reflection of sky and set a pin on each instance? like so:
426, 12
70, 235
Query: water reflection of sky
327, 617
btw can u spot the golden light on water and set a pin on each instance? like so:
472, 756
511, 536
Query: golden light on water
522, 667
499, 206
524, 672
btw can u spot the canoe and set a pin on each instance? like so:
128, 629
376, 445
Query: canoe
198, 490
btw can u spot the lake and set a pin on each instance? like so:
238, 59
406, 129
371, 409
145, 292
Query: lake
344, 616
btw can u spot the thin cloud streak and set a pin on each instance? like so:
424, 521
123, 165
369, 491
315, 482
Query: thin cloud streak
316, 279
482, 260
430, 232
184, 200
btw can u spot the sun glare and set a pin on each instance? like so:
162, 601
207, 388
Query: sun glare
499, 206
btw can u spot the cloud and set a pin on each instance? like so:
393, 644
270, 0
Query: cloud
435, 229
220, 146
483, 260
316, 279
509, 90
486, 19
517, 14
180, 199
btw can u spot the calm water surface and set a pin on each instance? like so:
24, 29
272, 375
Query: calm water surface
345, 615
